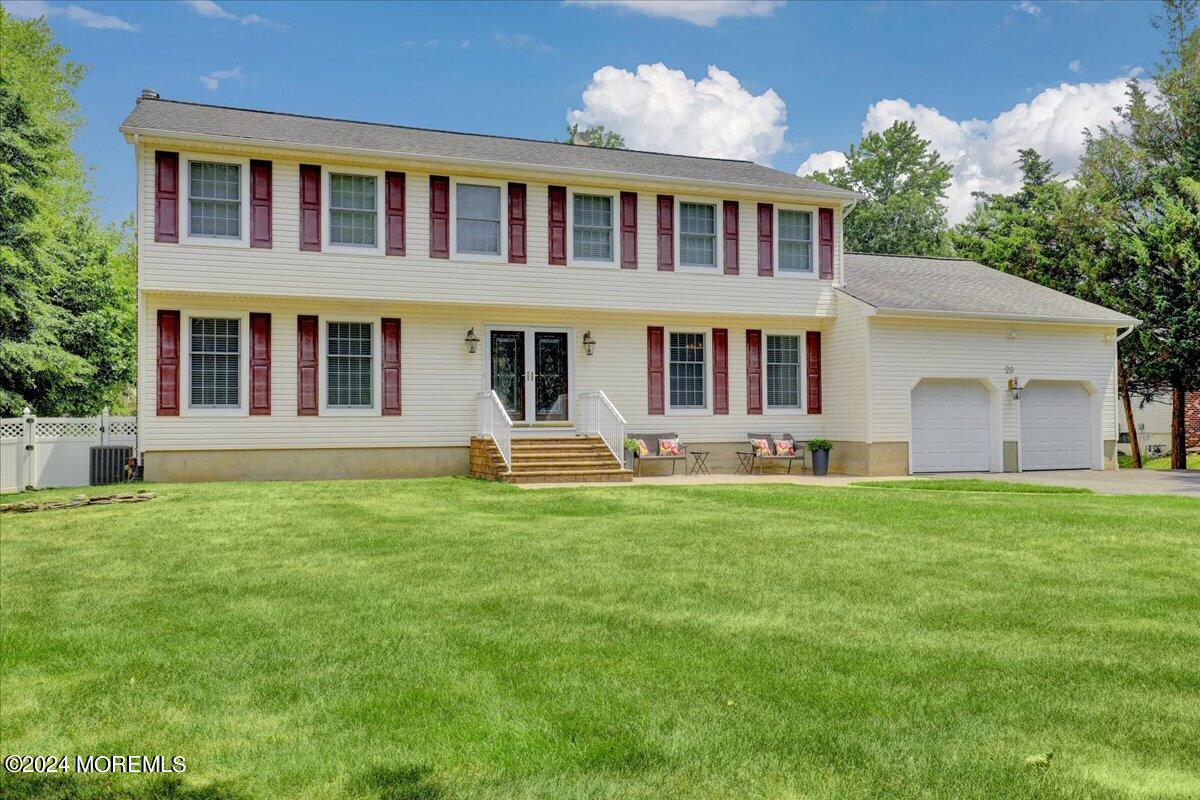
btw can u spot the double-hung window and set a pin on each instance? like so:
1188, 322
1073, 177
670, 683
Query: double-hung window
477, 220
215, 360
687, 370
214, 200
592, 227
795, 241
783, 371
697, 235
348, 364
353, 214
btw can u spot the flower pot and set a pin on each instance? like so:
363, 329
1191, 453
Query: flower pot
820, 462
629, 460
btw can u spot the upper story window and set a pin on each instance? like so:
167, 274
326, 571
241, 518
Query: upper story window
687, 370
214, 200
592, 227
353, 216
697, 234
783, 371
477, 220
348, 364
795, 241
215, 360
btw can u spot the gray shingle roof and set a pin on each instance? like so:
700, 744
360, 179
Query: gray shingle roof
948, 286
175, 117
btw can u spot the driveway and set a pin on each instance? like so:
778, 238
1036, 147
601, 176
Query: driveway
1109, 481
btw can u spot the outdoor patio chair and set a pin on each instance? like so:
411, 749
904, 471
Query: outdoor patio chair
799, 448
651, 442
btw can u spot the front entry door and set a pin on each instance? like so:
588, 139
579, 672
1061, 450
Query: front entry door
530, 373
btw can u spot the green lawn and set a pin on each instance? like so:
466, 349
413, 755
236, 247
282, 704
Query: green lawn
455, 639
1126, 462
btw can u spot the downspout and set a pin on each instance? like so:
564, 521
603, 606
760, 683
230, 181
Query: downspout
1118, 395
137, 314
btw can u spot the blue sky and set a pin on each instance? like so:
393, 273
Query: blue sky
796, 80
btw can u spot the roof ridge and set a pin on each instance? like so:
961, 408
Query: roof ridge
439, 130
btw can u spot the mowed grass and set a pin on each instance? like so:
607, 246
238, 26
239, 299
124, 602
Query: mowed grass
455, 639
972, 485
1126, 462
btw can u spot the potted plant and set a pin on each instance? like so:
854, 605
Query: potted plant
820, 455
631, 447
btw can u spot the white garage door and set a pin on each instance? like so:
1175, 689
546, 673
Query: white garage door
951, 427
1056, 425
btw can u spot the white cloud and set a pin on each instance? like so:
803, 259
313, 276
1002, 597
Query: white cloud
28, 9
210, 9
522, 41
1032, 9
822, 162
1075, 66
212, 81
982, 152
663, 109
706, 13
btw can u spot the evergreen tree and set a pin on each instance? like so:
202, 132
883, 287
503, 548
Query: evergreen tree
595, 136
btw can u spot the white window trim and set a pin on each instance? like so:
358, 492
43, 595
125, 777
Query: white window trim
327, 244
802, 383
186, 408
375, 409
707, 370
814, 247
718, 228
185, 191
616, 229
489, 257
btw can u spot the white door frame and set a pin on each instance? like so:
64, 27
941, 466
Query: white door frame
530, 381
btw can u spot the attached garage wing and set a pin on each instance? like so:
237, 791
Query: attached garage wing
951, 427
1056, 426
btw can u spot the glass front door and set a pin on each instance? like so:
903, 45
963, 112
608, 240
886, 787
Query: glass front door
530, 372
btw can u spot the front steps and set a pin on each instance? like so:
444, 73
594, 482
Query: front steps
549, 459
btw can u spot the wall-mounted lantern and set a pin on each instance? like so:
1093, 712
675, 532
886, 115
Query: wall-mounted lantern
589, 344
472, 341
1014, 388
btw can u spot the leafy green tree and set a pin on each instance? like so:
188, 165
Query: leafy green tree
67, 308
595, 136
904, 180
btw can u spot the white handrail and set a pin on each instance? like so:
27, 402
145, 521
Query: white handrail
495, 423
599, 416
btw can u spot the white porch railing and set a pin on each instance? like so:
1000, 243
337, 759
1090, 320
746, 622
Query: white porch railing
495, 423
597, 415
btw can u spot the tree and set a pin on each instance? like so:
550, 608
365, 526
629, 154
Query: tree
595, 136
1140, 180
67, 309
904, 180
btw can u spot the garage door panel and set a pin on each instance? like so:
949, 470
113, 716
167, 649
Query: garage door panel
1056, 426
951, 427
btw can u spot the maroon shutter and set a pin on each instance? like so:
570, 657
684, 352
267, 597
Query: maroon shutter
168, 363
826, 242
720, 338
628, 230
439, 216
394, 201
754, 403
390, 329
260, 364
516, 223
260, 203
166, 196
812, 347
558, 225
306, 366
654, 371
731, 237
310, 207
666, 232
766, 239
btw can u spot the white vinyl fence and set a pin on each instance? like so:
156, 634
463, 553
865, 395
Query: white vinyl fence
43, 452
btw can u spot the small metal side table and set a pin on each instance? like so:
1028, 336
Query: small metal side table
745, 463
699, 462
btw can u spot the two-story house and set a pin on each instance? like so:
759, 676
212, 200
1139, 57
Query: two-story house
325, 298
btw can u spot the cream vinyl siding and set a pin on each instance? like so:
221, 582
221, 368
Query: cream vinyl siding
284, 271
904, 351
845, 384
440, 378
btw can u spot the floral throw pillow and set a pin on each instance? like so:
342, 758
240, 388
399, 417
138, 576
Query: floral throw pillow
785, 447
642, 449
668, 447
761, 447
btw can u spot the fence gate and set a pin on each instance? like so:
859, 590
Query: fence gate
56, 451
